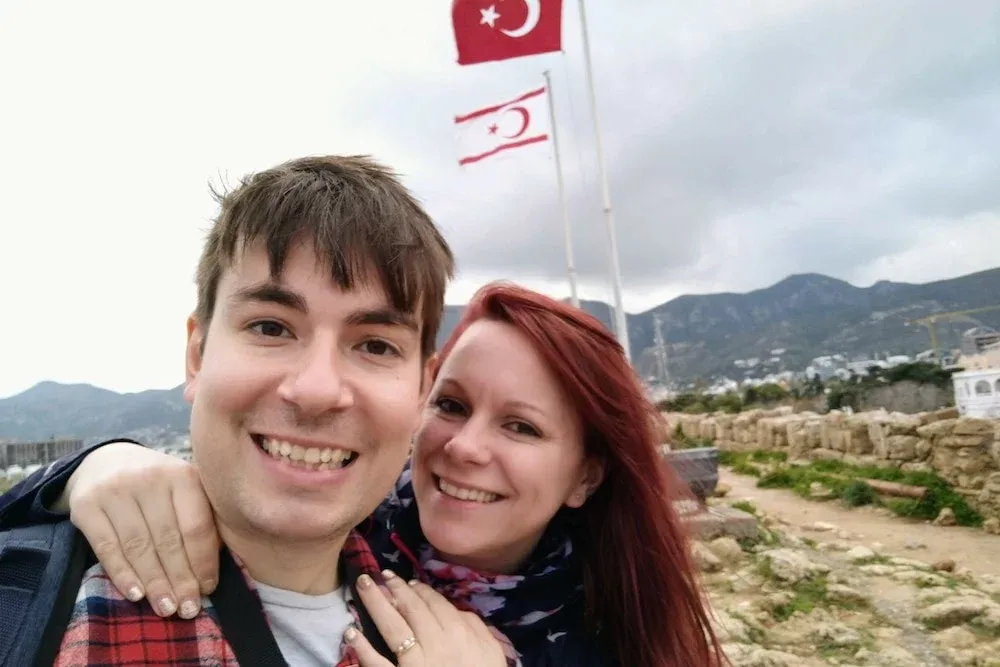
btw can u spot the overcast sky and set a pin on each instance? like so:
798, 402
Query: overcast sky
745, 141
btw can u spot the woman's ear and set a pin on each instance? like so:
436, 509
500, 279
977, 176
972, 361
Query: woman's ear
591, 478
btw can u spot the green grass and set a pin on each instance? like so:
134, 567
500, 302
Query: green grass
845, 482
745, 506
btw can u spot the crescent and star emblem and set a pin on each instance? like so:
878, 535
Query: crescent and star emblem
490, 16
525, 120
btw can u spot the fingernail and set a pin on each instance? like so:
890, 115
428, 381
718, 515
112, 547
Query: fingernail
167, 606
413, 582
134, 594
189, 609
364, 581
388, 574
350, 634
208, 585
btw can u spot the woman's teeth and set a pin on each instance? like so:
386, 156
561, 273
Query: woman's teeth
311, 458
466, 494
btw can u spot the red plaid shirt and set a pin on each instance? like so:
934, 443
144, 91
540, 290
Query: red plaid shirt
107, 629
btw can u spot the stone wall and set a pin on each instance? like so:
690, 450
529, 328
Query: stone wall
909, 397
964, 451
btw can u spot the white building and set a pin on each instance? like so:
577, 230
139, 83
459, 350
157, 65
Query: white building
977, 392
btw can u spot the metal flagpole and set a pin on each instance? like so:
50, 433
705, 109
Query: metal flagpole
562, 195
621, 325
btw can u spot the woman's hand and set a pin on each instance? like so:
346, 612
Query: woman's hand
423, 628
149, 523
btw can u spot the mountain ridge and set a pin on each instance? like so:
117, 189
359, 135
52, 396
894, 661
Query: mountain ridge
806, 315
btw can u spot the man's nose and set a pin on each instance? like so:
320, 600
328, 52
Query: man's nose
319, 385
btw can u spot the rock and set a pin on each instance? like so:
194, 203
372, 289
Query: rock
843, 535
992, 526
946, 518
954, 638
818, 491
704, 558
913, 545
893, 656
792, 566
820, 527
836, 634
861, 555
774, 601
846, 595
919, 578
727, 550
954, 611
722, 490
730, 629
909, 562
946, 565
742, 655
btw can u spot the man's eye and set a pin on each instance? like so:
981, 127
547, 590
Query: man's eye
379, 347
269, 328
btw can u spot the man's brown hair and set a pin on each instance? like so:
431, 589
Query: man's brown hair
362, 222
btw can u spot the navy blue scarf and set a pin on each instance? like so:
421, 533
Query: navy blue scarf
539, 600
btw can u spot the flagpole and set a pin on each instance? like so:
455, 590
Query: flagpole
621, 325
574, 298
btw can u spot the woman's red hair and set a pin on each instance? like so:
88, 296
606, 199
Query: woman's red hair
642, 588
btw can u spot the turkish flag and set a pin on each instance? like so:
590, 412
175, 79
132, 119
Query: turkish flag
502, 127
488, 30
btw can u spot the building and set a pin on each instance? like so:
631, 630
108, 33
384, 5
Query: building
41, 452
977, 392
978, 339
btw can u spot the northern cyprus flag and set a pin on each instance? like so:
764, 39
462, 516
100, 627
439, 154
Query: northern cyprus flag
503, 127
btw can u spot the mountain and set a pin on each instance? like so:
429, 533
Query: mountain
808, 315
50, 409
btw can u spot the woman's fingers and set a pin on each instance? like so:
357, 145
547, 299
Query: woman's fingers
383, 610
442, 610
168, 542
100, 533
367, 656
138, 548
201, 538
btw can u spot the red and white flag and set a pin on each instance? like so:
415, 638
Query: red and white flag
502, 127
488, 30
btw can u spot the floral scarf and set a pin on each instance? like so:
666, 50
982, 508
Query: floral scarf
515, 606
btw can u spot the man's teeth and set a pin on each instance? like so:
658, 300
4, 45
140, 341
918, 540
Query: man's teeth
474, 495
313, 458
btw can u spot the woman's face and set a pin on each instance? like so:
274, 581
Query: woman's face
498, 452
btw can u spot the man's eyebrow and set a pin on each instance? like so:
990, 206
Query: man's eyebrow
270, 292
385, 317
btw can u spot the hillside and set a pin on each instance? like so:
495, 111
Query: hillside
808, 315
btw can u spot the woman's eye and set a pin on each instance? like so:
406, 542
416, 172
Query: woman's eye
524, 428
269, 328
449, 406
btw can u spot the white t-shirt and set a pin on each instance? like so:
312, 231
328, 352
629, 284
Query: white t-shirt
308, 628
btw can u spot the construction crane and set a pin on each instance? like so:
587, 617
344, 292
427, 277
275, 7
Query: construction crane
930, 320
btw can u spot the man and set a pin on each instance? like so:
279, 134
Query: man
320, 293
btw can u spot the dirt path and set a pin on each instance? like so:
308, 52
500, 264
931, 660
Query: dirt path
968, 547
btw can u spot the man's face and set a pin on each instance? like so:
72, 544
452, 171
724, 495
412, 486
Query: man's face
303, 401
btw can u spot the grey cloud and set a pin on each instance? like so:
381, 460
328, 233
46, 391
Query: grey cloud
816, 137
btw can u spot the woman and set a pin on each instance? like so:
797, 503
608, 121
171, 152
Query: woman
535, 495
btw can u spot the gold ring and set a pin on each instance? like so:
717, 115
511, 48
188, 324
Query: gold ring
406, 645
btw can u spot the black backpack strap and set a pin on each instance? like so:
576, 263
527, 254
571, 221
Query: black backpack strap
80, 559
242, 618
41, 568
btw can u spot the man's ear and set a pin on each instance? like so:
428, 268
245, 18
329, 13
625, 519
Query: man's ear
193, 357
427, 376
591, 478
